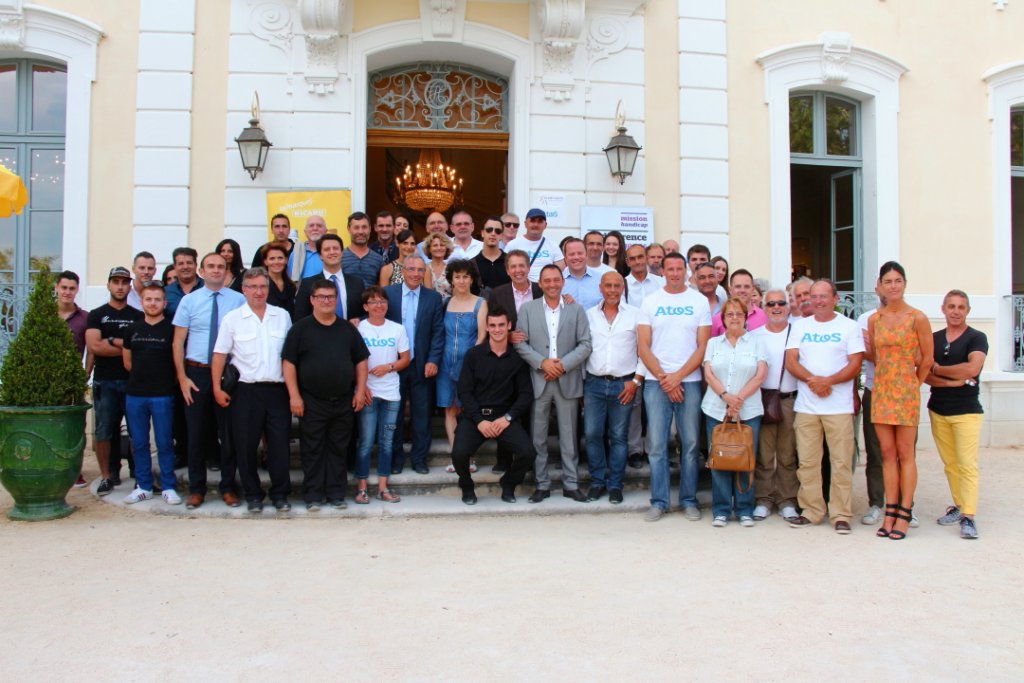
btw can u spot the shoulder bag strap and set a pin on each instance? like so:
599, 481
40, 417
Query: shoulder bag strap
536, 253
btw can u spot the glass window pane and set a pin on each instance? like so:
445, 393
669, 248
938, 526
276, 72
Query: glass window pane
843, 265
801, 124
843, 201
1017, 138
9, 159
47, 229
840, 127
49, 98
46, 188
8, 97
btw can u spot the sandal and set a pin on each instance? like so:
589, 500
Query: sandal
472, 465
450, 469
363, 497
896, 534
882, 531
388, 497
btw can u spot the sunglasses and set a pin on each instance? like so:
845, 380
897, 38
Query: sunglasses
492, 230
945, 351
511, 225
774, 304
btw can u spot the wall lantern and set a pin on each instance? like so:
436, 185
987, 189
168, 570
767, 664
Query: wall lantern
622, 149
253, 144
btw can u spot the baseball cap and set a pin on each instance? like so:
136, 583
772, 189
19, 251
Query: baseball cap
119, 271
536, 213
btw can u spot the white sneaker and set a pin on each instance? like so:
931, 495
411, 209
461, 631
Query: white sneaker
137, 495
719, 521
746, 521
171, 497
914, 522
788, 512
761, 512
872, 516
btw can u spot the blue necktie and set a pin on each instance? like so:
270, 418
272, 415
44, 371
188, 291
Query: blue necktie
214, 326
339, 306
409, 320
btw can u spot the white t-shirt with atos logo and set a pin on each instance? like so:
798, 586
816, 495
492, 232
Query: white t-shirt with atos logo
385, 342
674, 322
825, 349
541, 252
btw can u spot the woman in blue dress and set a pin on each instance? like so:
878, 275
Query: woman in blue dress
465, 326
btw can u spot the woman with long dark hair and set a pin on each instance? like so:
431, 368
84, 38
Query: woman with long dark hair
232, 253
615, 252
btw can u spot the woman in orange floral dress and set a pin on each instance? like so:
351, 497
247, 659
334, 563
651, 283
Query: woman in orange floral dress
899, 342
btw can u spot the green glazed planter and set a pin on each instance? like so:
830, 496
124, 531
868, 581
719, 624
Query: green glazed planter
40, 458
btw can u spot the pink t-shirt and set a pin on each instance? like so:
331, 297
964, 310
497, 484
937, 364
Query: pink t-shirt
755, 318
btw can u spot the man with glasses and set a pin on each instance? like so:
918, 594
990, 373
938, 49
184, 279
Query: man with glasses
490, 262
824, 353
196, 325
325, 370
253, 335
954, 409
510, 222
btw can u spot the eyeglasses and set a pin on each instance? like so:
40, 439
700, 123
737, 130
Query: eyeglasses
157, 283
377, 302
324, 298
256, 288
511, 225
734, 314
774, 304
492, 229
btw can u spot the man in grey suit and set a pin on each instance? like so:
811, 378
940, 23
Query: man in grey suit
557, 345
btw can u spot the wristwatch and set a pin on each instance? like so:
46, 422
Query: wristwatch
637, 382
508, 418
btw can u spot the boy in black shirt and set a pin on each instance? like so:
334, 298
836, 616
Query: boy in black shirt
152, 383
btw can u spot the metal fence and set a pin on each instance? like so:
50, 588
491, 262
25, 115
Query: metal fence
1017, 301
852, 304
13, 304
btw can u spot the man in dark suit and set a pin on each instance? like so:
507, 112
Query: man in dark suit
511, 296
421, 312
350, 289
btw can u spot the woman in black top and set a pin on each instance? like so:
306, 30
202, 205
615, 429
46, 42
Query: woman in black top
282, 289
615, 252
232, 253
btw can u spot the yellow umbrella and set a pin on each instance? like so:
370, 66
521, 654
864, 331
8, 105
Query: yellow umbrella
13, 195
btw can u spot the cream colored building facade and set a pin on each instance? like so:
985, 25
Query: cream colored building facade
158, 89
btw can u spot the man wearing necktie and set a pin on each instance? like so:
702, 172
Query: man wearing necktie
196, 323
350, 289
421, 312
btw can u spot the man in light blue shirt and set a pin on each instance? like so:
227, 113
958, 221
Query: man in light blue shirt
582, 283
196, 323
304, 260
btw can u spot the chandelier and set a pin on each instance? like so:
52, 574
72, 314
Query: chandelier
430, 185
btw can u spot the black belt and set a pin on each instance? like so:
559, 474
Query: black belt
788, 394
491, 411
610, 378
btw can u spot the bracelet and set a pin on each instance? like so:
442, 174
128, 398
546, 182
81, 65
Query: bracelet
722, 395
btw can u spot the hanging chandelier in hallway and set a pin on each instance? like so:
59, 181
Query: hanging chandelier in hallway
430, 185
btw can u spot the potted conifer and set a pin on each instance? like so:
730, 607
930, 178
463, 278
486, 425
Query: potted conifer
42, 410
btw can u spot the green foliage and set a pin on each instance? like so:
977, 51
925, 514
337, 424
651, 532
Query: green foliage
42, 367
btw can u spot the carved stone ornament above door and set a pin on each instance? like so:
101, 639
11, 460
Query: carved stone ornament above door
321, 25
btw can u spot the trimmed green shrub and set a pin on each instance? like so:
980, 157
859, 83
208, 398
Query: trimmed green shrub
42, 367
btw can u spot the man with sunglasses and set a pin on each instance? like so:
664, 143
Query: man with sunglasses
510, 222
491, 259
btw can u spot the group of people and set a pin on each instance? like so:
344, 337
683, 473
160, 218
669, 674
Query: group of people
502, 331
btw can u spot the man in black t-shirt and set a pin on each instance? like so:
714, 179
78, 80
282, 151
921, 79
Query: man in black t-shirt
954, 409
104, 337
325, 370
152, 384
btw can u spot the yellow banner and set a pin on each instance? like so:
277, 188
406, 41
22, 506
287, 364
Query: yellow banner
298, 205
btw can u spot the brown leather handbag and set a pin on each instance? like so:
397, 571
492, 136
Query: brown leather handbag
732, 450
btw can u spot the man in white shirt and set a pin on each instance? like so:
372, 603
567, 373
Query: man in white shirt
824, 353
672, 348
143, 270
464, 246
510, 222
540, 249
253, 335
594, 242
639, 283
614, 374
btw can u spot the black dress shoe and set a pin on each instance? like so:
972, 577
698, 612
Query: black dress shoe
595, 492
508, 496
539, 495
255, 506
575, 494
615, 496
500, 468
396, 470
282, 505
422, 469
636, 460
469, 498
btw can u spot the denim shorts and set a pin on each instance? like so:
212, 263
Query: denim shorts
108, 407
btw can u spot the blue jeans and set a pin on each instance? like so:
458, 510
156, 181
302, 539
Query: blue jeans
379, 419
724, 491
601, 407
660, 412
139, 411
108, 397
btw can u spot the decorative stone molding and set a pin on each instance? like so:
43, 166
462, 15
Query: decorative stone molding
561, 29
835, 56
322, 23
12, 25
443, 19
273, 22
606, 35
